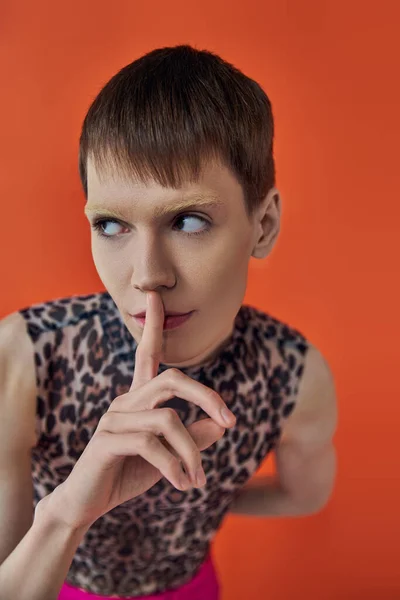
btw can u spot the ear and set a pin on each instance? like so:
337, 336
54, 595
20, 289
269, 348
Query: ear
267, 224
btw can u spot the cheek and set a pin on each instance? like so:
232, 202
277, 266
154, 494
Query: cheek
215, 265
233, 255
110, 266
220, 270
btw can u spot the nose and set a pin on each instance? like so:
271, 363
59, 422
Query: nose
152, 266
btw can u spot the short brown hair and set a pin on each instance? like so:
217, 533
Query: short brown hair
170, 111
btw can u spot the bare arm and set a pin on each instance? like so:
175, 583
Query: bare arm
123, 459
37, 567
17, 431
34, 558
305, 457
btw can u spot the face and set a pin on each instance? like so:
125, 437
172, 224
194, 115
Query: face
191, 245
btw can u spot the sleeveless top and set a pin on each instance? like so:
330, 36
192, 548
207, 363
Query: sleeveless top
84, 358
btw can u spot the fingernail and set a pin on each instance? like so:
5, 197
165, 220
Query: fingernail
200, 476
184, 481
227, 416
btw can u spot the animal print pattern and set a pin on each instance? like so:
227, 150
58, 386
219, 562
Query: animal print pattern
85, 356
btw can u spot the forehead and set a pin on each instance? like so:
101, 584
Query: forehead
216, 182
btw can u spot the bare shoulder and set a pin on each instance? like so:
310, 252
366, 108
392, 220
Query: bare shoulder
315, 412
17, 385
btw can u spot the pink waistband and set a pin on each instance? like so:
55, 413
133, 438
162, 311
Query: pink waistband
203, 585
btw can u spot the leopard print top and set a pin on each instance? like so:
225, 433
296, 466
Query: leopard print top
84, 357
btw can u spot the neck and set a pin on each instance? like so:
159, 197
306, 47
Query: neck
207, 357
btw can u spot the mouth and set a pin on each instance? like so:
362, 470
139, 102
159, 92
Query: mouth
172, 319
170, 313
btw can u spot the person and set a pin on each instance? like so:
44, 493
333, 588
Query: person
134, 418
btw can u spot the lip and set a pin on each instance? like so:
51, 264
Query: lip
171, 321
170, 313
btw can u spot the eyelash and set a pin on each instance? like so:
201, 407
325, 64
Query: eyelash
100, 221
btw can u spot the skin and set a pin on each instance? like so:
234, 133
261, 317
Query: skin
206, 273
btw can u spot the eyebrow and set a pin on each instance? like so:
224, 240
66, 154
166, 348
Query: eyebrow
190, 203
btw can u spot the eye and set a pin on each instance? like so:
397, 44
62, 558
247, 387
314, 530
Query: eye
99, 227
192, 229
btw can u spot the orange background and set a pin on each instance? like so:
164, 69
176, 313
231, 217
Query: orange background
331, 70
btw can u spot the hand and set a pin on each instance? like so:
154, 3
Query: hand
125, 456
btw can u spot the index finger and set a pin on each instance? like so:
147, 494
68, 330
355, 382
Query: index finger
149, 349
